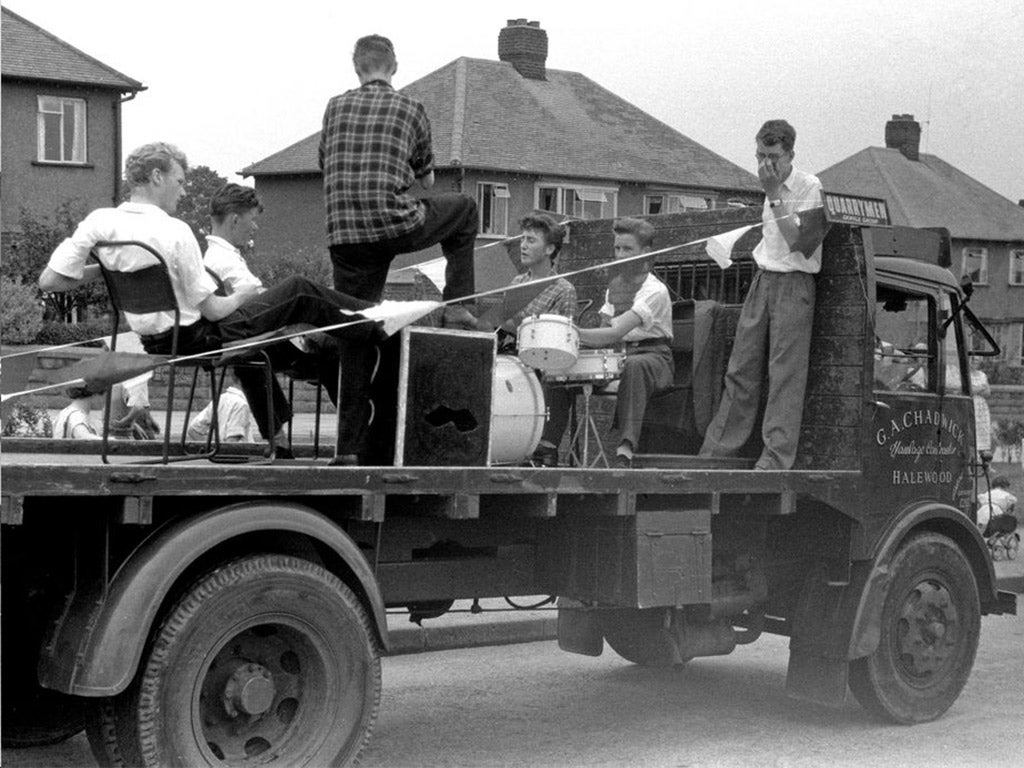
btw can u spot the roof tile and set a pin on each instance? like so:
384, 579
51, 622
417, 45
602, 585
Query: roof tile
927, 193
484, 114
30, 52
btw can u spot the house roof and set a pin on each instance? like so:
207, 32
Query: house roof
30, 52
928, 192
485, 115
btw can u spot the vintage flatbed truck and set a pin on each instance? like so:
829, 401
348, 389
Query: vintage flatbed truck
211, 614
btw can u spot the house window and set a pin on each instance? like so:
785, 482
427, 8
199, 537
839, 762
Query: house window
492, 200
579, 202
975, 265
1009, 337
1016, 267
655, 204
61, 130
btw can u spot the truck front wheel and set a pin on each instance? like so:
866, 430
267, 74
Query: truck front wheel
268, 660
929, 634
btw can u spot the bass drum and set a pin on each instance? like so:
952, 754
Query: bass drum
517, 411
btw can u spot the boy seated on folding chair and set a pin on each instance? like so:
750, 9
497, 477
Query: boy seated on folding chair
156, 174
233, 212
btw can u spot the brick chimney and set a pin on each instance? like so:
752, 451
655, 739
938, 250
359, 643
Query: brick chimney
524, 45
903, 132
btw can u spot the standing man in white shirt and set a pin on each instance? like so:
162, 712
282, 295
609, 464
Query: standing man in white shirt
774, 330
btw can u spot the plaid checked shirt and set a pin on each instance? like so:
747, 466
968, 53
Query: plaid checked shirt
557, 298
374, 144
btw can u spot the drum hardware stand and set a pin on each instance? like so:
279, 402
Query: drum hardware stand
585, 428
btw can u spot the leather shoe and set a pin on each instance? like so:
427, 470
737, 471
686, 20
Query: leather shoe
623, 462
544, 456
280, 452
344, 460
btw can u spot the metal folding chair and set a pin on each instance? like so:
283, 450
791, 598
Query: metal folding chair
149, 290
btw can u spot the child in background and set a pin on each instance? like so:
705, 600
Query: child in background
74, 422
997, 520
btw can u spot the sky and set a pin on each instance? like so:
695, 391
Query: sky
234, 82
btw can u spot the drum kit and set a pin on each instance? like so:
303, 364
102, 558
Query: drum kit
550, 343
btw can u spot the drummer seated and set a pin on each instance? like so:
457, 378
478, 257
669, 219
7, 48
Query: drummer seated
637, 315
539, 244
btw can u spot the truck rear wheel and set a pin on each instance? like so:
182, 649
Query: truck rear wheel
929, 634
640, 636
269, 660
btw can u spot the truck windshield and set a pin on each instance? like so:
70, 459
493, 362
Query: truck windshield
904, 346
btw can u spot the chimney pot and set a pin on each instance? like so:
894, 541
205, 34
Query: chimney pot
904, 133
524, 45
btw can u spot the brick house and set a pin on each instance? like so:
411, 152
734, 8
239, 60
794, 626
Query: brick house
987, 230
61, 124
518, 136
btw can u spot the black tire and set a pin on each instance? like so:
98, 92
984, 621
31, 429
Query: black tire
640, 636
269, 660
930, 624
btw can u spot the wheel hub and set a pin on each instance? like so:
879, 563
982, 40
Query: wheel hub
253, 692
249, 690
927, 629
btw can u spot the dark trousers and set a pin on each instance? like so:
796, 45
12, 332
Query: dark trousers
361, 269
773, 335
294, 300
644, 371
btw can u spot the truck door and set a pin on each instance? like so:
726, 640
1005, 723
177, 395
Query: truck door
922, 441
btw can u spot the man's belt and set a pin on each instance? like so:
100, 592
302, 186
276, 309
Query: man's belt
632, 346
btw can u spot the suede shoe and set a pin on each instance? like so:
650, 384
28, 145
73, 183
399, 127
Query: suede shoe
457, 316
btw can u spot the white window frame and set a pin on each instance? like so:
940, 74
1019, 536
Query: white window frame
499, 219
969, 253
581, 195
63, 106
1016, 276
676, 202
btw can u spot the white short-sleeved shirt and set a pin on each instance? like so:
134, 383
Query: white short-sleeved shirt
69, 419
799, 192
227, 262
653, 305
234, 418
172, 239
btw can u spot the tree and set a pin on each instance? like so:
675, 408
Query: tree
31, 250
1010, 435
311, 263
194, 208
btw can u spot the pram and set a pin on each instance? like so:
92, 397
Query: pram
1000, 531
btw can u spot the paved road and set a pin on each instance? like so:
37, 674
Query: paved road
533, 705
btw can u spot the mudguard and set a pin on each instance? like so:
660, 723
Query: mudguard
835, 624
96, 646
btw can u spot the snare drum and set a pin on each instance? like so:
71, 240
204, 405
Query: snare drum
548, 342
592, 365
